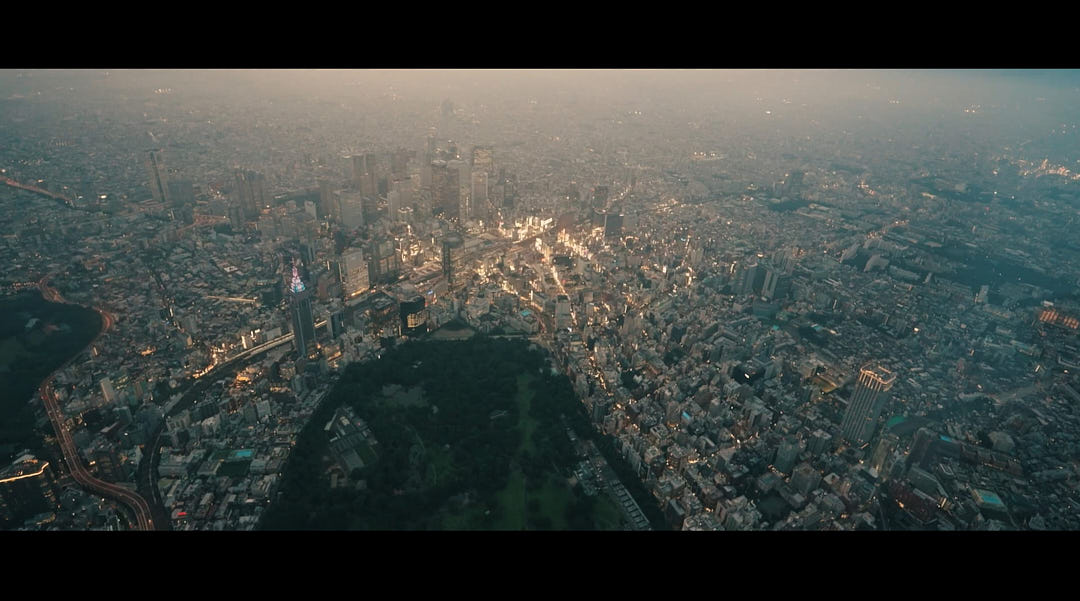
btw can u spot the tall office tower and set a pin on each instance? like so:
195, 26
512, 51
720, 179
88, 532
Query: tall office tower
399, 162
107, 390
451, 246
613, 223
354, 273
337, 324
479, 195
363, 173
393, 205
786, 455
445, 190
883, 452
770, 283
509, 184
352, 209
464, 187
413, 316
429, 148
483, 159
792, 186
303, 321
573, 196
870, 395
159, 178
250, 193
329, 202
600, 196
805, 479
385, 263
746, 278
27, 487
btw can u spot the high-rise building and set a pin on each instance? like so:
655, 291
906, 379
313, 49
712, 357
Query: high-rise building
399, 161
354, 273
107, 390
747, 280
870, 395
479, 195
786, 455
600, 196
483, 159
352, 209
883, 452
385, 263
329, 202
805, 479
337, 324
446, 190
250, 193
27, 487
451, 247
159, 179
413, 316
363, 173
303, 320
613, 225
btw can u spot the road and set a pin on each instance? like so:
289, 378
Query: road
78, 471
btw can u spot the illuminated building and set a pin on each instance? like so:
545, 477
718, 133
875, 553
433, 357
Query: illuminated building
871, 393
303, 321
413, 316
1059, 318
354, 273
385, 265
27, 487
451, 249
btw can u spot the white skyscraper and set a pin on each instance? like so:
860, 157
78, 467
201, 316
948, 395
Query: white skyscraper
870, 395
354, 273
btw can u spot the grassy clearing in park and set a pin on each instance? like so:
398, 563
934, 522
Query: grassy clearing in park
512, 503
553, 497
608, 515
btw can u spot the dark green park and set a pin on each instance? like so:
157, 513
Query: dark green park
471, 436
36, 337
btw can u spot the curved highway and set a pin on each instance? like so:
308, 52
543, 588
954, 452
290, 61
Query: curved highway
67, 445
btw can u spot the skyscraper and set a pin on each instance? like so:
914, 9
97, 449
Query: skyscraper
483, 159
303, 321
159, 179
870, 395
445, 190
250, 193
451, 246
354, 273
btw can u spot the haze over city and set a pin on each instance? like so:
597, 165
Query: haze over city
580, 299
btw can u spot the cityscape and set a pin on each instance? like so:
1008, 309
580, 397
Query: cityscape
621, 300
